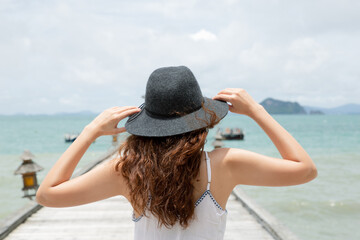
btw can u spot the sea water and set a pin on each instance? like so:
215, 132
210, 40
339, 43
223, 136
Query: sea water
325, 208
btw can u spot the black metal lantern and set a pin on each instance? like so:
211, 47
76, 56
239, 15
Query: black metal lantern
28, 170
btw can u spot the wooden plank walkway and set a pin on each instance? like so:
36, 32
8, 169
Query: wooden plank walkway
110, 219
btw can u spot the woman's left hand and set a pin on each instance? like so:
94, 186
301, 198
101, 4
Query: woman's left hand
106, 123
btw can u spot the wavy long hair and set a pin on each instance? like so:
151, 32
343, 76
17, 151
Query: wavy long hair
160, 172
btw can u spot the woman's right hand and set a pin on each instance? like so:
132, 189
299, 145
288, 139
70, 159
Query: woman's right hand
241, 102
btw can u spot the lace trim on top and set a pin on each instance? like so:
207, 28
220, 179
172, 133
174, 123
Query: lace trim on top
136, 219
207, 192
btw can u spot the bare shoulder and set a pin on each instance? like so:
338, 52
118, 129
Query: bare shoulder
114, 166
219, 163
228, 161
113, 169
223, 157
250, 168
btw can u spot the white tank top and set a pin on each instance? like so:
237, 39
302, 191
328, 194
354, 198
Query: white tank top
209, 222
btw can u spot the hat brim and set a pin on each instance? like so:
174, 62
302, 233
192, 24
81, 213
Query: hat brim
141, 124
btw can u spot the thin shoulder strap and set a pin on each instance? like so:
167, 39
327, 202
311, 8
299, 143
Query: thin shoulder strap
208, 170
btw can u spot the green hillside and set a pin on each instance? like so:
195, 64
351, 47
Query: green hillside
274, 106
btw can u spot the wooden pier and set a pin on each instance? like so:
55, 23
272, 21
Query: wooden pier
110, 219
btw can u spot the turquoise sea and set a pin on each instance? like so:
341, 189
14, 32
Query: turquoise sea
325, 208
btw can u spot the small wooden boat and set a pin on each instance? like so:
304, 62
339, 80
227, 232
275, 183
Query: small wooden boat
230, 134
70, 137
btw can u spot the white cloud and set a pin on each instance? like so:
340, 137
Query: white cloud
306, 55
90, 71
259, 56
27, 42
74, 100
203, 35
44, 100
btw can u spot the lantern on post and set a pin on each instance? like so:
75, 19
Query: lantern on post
28, 170
217, 144
114, 139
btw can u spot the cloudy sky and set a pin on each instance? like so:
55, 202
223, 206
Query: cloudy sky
69, 56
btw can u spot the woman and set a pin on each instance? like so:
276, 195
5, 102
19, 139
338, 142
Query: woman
177, 190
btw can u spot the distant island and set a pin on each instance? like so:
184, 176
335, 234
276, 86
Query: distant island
350, 108
275, 106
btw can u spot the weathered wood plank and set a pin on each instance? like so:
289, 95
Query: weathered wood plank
110, 219
107, 219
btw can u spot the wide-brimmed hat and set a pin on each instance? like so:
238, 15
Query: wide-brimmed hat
173, 105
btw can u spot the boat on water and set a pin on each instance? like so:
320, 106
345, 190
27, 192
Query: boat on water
70, 137
230, 134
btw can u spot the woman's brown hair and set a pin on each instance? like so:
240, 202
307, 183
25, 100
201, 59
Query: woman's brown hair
160, 172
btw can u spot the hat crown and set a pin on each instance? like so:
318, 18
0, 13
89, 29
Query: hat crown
172, 91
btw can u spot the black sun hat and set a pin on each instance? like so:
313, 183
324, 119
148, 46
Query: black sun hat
173, 105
